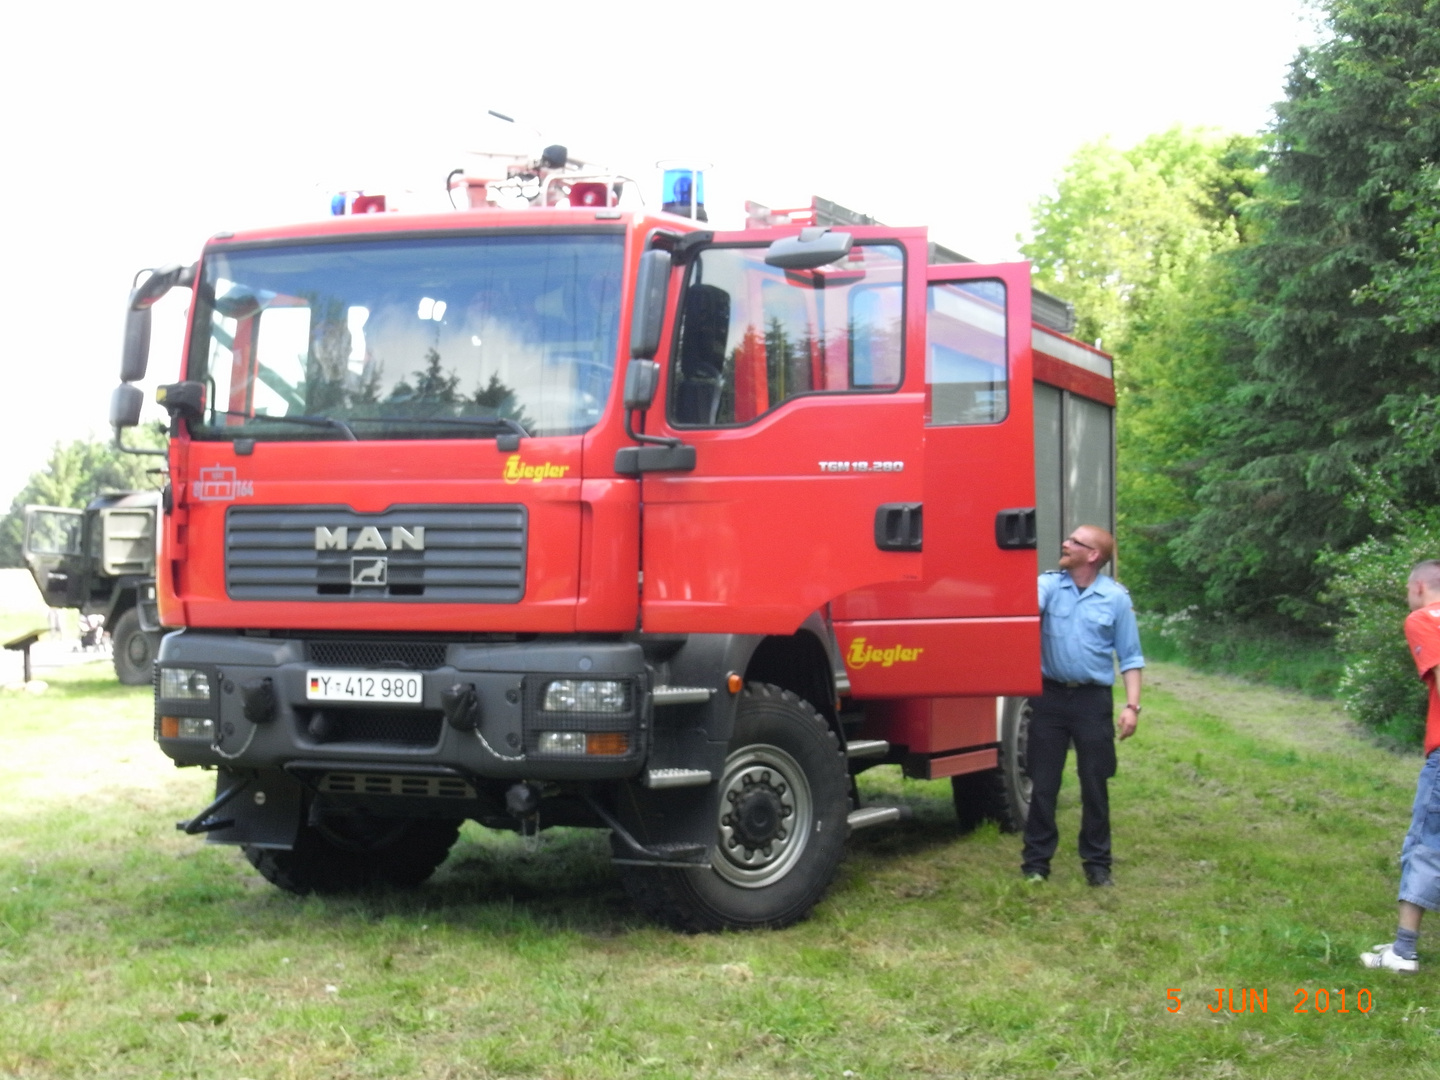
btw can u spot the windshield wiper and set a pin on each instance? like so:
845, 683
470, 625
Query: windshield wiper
309, 421
504, 423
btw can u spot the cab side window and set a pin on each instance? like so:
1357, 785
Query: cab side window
965, 355
752, 336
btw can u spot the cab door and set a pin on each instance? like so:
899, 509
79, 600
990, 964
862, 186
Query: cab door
803, 394
970, 626
55, 553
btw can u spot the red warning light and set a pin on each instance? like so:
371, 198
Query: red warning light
368, 204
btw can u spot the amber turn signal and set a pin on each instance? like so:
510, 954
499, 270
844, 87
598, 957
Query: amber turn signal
607, 742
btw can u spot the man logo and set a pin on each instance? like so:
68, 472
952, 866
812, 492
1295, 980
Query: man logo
369, 571
369, 539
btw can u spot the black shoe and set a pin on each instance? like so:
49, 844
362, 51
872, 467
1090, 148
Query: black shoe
1099, 876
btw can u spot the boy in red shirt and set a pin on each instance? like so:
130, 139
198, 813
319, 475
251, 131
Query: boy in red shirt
1420, 857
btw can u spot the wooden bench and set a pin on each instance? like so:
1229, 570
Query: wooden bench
22, 645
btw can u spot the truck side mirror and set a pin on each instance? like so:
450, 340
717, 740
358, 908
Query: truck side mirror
814, 247
125, 402
135, 355
641, 379
647, 314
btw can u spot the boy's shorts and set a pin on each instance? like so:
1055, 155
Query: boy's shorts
1420, 857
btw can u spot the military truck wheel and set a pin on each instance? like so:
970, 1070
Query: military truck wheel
780, 825
343, 854
133, 650
1001, 795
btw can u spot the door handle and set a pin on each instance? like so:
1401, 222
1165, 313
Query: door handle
1015, 529
899, 526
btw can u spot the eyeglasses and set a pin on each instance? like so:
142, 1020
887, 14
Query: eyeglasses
1079, 543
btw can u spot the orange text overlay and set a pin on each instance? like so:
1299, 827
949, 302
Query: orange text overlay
1321, 1001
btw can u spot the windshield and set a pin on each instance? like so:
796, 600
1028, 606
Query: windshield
436, 338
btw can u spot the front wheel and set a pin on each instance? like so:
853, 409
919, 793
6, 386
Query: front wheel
133, 649
342, 854
779, 828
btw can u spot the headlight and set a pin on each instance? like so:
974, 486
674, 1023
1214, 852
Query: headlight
184, 684
587, 696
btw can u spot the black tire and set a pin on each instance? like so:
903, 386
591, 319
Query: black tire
133, 650
1000, 795
786, 789
979, 797
1014, 765
344, 854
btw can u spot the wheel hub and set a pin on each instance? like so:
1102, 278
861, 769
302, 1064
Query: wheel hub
758, 813
137, 648
765, 812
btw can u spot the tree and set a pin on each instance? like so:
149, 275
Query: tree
76, 472
1345, 349
1125, 227
1134, 239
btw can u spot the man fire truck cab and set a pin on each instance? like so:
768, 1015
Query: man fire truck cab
579, 515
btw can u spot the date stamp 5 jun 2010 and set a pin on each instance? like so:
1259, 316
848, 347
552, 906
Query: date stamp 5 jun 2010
1321, 1001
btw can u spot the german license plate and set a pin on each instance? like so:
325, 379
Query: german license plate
380, 687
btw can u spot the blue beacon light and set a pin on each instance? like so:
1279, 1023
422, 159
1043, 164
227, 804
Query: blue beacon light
681, 186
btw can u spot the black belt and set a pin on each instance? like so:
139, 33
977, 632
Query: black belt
1061, 684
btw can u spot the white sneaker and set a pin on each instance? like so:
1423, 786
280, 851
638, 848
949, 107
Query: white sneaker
1385, 956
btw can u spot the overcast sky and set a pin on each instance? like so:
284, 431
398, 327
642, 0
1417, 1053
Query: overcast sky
132, 132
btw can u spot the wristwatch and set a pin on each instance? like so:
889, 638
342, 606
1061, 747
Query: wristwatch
1135, 707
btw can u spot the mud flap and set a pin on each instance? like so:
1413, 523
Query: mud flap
266, 814
679, 821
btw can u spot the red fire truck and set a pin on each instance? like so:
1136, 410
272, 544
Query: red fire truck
569, 514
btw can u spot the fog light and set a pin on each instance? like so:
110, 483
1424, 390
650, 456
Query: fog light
607, 742
562, 742
196, 727
587, 696
184, 684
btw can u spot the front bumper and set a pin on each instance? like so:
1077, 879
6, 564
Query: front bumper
507, 735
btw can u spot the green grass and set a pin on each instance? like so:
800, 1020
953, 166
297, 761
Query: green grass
1272, 655
1256, 838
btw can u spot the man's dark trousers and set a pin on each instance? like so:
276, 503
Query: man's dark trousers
1084, 715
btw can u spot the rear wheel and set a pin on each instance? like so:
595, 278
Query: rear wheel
1001, 795
133, 649
780, 826
342, 854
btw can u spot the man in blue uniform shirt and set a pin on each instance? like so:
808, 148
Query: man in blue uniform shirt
1086, 624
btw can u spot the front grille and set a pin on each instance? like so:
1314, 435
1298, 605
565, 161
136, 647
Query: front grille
425, 787
415, 655
415, 728
420, 554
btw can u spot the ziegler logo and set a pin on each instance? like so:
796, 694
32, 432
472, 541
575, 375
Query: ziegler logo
370, 539
861, 654
516, 470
